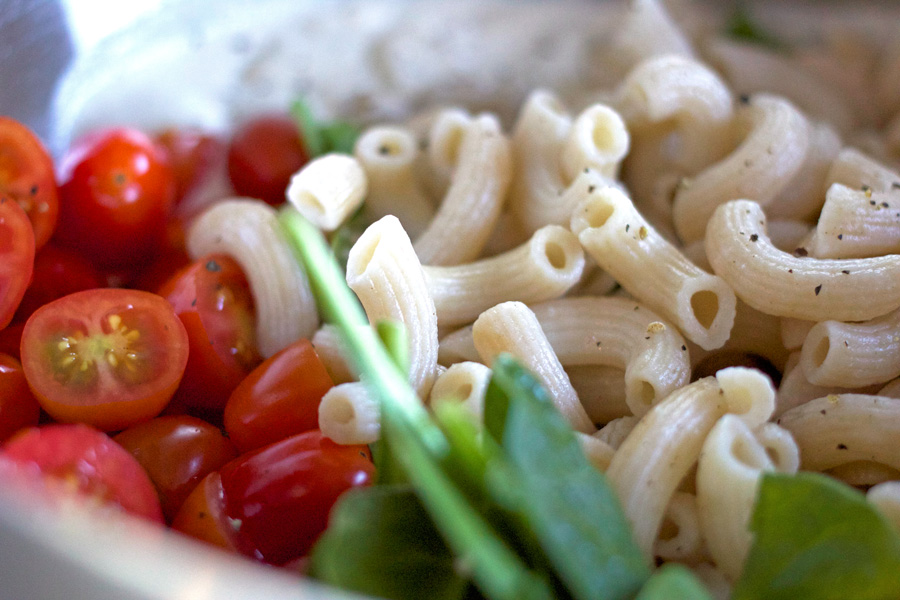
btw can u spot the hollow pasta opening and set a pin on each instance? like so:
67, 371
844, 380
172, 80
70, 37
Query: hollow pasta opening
821, 351
598, 213
648, 394
311, 202
340, 411
556, 255
603, 137
452, 144
364, 255
705, 305
669, 529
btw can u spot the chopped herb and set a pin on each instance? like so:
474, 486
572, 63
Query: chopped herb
867, 190
742, 26
591, 189
642, 232
320, 138
627, 227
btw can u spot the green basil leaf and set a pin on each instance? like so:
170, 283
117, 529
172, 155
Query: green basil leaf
673, 582
340, 136
343, 238
380, 541
566, 502
818, 539
310, 132
742, 26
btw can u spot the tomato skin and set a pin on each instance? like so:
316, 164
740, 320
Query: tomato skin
11, 339
280, 495
212, 299
192, 154
79, 458
202, 515
263, 155
18, 408
27, 176
176, 452
116, 196
57, 272
16, 257
110, 358
278, 399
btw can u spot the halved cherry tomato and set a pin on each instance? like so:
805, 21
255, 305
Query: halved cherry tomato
202, 515
16, 257
26, 176
107, 357
18, 408
170, 257
279, 497
78, 458
116, 196
192, 155
57, 273
212, 298
280, 398
263, 155
177, 452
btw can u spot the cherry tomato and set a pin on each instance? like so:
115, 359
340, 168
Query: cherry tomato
278, 399
177, 452
192, 155
116, 197
18, 408
279, 496
57, 273
212, 299
78, 458
16, 258
107, 357
26, 176
170, 257
262, 157
202, 515
11, 339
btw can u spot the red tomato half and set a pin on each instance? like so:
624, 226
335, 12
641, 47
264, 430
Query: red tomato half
212, 298
26, 176
16, 258
18, 408
116, 196
107, 357
263, 155
280, 398
77, 458
279, 497
177, 452
57, 273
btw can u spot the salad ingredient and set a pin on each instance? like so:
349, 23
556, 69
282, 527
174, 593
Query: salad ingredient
18, 408
16, 257
192, 155
106, 357
26, 177
177, 452
278, 399
57, 273
202, 515
117, 182
212, 299
279, 496
263, 155
322, 137
68, 458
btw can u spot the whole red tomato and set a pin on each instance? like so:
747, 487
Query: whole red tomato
18, 408
116, 196
16, 258
263, 155
57, 273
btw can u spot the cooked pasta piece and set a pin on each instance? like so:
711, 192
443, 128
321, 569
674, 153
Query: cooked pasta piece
647, 31
794, 331
620, 333
349, 414
855, 170
511, 327
457, 346
856, 223
601, 391
328, 190
781, 284
594, 281
248, 230
472, 204
542, 134
649, 465
544, 267
615, 432
886, 498
843, 428
795, 389
679, 537
464, 382
386, 275
780, 447
618, 238
863, 473
761, 167
853, 354
891, 389
388, 155
598, 452
330, 348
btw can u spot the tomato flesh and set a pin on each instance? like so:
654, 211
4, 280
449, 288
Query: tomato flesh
263, 155
16, 258
212, 298
280, 398
27, 177
107, 357
18, 408
177, 452
78, 458
279, 496
116, 197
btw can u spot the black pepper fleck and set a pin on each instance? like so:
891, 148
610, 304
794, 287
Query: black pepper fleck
591, 189
754, 237
840, 236
801, 252
744, 98
34, 190
842, 446
627, 227
213, 267
683, 348
845, 272
818, 289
